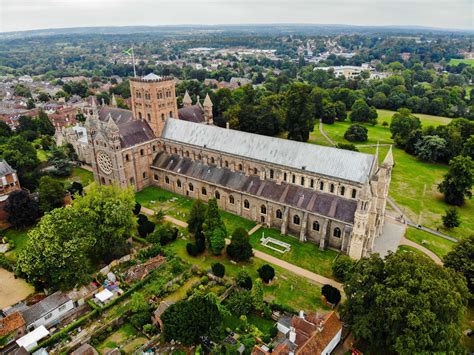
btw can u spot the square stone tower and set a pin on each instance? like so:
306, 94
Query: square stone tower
154, 100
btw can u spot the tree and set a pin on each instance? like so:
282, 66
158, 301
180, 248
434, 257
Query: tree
60, 161
240, 302
299, 112
164, 234
266, 273
347, 146
23, 211
431, 148
341, 111
244, 280
451, 218
56, 252
43, 96
405, 304
137, 209
240, 248
140, 310
107, 212
197, 217
214, 229
146, 228
342, 267
51, 194
217, 241
332, 294
457, 183
329, 112
467, 150
75, 188
379, 100
402, 125
361, 112
257, 295
5, 130
43, 124
188, 320
461, 258
356, 133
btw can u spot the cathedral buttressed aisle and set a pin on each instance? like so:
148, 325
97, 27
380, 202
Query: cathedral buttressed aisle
332, 197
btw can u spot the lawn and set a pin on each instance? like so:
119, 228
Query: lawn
233, 322
127, 335
85, 177
437, 245
409, 249
459, 61
179, 206
306, 255
288, 288
19, 238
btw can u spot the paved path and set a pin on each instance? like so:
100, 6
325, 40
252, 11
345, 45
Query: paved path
254, 229
428, 252
389, 240
409, 222
167, 218
324, 133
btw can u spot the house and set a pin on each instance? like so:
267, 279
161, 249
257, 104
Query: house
310, 334
85, 349
12, 327
103, 296
49, 311
8, 183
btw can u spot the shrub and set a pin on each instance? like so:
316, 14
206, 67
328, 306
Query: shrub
141, 218
273, 332
451, 219
218, 269
192, 249
342, 267
332, 294
137, 209
240, 302
356, 133
164, 234
244, 280
266, 273
146, 228
347, 146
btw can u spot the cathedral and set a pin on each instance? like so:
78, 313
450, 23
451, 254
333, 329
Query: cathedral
332, 197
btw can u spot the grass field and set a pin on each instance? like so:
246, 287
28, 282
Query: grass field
288, 288
306, 255
414, 183
85, 177
437, 245
19, 238
459, 61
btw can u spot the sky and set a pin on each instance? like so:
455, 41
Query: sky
17, 15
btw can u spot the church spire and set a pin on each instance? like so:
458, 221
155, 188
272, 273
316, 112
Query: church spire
207, 101
187, 100
95, 111
207, 108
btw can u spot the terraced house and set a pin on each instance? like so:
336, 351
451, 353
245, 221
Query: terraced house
332, 197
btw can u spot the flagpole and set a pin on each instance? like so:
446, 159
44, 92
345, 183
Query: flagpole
133, 63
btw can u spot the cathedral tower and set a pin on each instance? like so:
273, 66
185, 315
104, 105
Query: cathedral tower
359, 232
154, 100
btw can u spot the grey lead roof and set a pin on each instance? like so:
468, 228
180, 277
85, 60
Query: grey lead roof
44, 306
5, 168
339, 163
325, 204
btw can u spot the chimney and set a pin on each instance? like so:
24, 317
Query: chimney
227, 125
292, 337
302, 314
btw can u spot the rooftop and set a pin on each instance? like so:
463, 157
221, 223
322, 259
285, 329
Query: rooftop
326, 161
44, 306
5, 168
11, 323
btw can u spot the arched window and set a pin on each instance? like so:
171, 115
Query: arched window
127, 157
148, 116
263, 209
160, 95
285, 176
204, 191
162, 116
354, 193
187, 154
178, 183
139, 115
271, 173
156, 177
199, 157
311, 184
218, 195
316, 226
103, 180
336, 233
142, 152
240, 167
171, 114
255, 171
246, 204
213, 160
191, 187
279, 214
175, 151
296, 219
293, 179
343, 190
132, 181
154, 148
226, 164
144, 174
321, 185
302, 181
332, 188
231, 199
167, 179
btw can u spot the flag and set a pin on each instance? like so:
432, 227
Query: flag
129, 51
